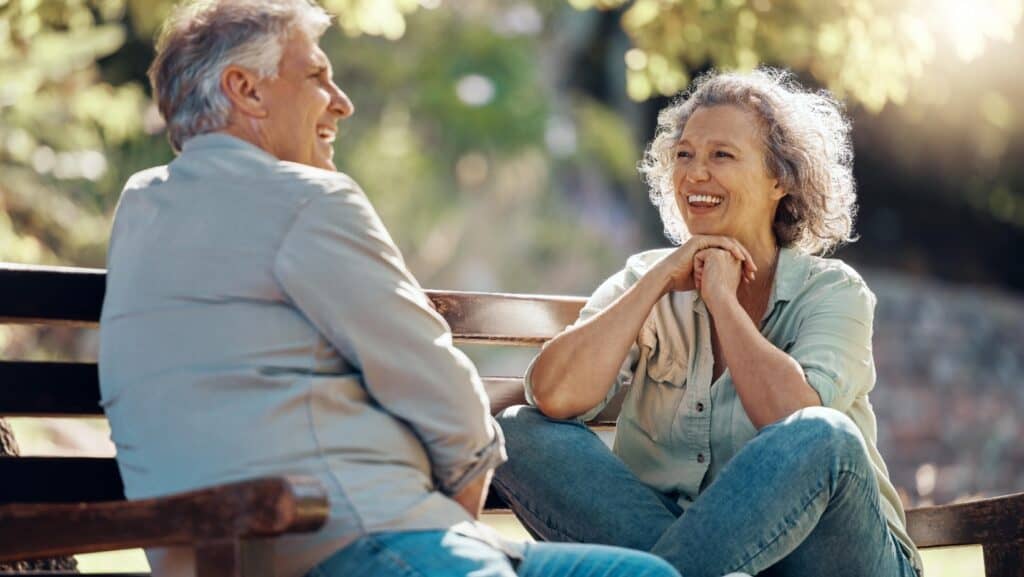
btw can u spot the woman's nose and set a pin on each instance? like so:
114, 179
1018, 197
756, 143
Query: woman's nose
697, 172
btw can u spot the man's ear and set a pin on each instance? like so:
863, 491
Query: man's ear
241, 86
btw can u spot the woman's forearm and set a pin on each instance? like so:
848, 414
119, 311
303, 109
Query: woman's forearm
577, 368
771, 384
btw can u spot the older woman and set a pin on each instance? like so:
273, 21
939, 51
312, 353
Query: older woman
746, 441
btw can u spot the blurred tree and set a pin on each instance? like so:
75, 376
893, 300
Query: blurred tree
871, 50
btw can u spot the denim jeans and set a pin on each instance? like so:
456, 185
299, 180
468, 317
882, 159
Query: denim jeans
800, 499
453, 554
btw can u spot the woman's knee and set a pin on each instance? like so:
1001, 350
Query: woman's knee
826, 432
526, 420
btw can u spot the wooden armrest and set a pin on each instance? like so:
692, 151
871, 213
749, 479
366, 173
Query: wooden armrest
994, 520
261, 507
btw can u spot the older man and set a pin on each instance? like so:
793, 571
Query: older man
259, 321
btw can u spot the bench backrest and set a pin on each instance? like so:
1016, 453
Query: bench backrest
70, 296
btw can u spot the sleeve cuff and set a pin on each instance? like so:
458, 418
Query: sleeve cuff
824, 385
487, 458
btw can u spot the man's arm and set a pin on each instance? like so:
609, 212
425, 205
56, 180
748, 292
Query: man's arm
474, 495
341, 269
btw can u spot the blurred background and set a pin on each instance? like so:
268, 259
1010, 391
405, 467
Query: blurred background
499, 138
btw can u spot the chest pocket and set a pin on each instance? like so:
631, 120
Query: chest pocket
659, 386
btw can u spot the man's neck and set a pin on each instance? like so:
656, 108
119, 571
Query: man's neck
244, 132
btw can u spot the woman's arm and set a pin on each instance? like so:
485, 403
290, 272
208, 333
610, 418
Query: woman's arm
771, 384
576, 369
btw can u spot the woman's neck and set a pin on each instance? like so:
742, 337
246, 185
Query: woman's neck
765, 251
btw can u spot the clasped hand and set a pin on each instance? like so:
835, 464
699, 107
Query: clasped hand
712, 265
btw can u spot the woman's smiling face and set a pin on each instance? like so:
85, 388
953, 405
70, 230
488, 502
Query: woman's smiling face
722, 185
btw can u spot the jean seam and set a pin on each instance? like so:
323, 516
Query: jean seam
393, 557
522, 504
790, 524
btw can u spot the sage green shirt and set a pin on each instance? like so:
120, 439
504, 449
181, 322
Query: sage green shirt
678, 429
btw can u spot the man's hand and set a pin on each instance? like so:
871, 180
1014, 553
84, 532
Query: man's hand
474, 495
717, 274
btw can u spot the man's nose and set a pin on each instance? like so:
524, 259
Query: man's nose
340, 103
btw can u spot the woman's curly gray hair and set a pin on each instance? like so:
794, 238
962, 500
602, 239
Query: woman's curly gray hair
807, 148
202, 37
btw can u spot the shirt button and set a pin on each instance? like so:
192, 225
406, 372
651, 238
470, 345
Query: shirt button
700, 407
700, 457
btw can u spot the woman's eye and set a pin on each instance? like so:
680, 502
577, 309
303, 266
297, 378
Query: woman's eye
723, 154
683, 154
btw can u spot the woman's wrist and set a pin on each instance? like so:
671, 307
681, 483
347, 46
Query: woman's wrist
719, 300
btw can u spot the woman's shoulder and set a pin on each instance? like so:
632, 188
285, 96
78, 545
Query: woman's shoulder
833, 276
638, 264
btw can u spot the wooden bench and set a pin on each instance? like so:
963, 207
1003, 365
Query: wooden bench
67, 505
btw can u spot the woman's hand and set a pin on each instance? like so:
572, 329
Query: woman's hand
678, 266
717, 274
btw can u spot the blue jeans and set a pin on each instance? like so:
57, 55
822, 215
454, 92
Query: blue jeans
800, 499
453, 554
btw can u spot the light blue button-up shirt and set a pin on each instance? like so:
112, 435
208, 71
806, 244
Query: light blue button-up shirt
677, 429
259, 320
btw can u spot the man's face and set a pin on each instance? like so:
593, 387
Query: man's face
303, 106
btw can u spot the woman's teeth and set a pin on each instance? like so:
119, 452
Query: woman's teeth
703, 199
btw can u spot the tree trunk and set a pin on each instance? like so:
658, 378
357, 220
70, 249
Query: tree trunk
9, 447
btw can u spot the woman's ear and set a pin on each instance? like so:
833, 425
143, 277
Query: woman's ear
777, 191
241, 86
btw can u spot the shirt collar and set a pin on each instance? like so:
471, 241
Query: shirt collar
221, 141
790, 275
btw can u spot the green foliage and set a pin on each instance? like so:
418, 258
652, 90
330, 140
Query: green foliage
870, 50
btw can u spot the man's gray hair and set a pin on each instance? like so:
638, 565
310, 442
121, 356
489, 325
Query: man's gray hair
201, 38
807, 148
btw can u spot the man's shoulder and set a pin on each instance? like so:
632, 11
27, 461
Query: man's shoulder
148, 177
311, 181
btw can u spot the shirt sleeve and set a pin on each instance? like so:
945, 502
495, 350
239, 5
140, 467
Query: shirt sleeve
833, 343
604, 296
339, 266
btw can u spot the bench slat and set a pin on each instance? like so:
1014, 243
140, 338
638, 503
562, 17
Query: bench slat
254, 508
38, 294
41, 389
45, 480
59, 480
74, 296
47, 389
994, 520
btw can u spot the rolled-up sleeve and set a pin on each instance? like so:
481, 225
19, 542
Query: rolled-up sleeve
340, 267
833, 345
604, 296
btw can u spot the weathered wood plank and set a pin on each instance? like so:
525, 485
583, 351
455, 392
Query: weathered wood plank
255, 508
64, 295
1004, 559
995, 520
41, 389
59, 480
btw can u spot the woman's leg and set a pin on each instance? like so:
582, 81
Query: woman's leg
454, 554
564, 484
800, 498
